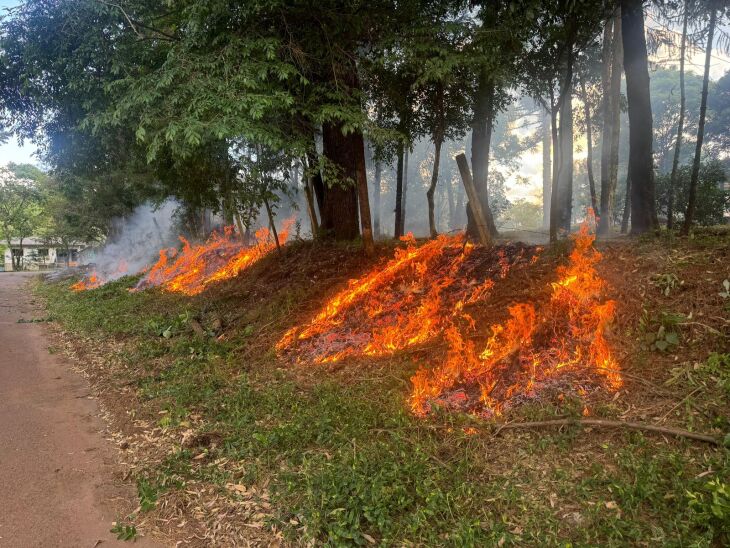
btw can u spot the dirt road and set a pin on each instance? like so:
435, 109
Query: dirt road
58, 480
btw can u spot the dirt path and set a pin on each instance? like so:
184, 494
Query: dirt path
58, 480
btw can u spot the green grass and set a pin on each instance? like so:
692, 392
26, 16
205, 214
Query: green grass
349, 465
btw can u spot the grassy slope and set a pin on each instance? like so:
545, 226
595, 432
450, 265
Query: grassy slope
332, 453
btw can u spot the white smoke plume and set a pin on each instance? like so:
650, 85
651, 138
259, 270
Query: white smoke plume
135, 241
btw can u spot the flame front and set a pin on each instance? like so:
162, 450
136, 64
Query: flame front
424, 293
531, 347
406, 302
221, 257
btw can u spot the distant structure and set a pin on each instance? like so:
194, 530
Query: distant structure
37, 254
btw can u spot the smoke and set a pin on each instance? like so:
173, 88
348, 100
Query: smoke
135, 241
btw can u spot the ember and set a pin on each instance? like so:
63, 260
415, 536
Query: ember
221, 257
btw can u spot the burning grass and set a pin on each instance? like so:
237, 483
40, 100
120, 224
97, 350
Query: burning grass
193, 268
223, 256
405, 302
428, 292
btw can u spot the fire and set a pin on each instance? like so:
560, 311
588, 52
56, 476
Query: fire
532, 347
92, 282
95, 280
424, 294
406, 302
223, 256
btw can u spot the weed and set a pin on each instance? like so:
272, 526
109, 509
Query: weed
124, 531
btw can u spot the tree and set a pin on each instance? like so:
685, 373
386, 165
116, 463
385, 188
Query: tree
713, 199
680, 123
20, 212
641, 162
611, 83
692, 201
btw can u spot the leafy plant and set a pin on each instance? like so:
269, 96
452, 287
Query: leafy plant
667, 283
124, 532
147, 494
712, 506
661, 334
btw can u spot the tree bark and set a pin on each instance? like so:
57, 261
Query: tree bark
627, 208
546, 168
376, 200
589, 148
450, 200
557, 165
309, 195
566, 173
432, 189
403, 212
476, 212
398, 231
680, 123
609, 37
692, 202
340, 211
361, 179
481, 138
611, 126
641, 166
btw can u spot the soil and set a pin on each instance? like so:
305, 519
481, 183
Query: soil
61, 485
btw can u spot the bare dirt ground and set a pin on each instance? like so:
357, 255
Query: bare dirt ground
59, 481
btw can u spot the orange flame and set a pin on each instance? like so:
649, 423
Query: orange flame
92, 282
424, 292
530, 348
404, 303
221, 257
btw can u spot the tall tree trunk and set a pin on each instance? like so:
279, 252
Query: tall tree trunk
309, 195
612, 58
481, 137
641, 164
565, 193
617, 67
432, 189
609, 38
340, 211
589, 147
546, 168
557, 167
376, 199
680, 123
361, 180
316, 178
627, 208
450, 201
403, 212
692, 202
398, 231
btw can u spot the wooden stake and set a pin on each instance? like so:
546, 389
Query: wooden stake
474, 203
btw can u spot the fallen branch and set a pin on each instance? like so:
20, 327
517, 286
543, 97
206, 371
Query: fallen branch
612, 424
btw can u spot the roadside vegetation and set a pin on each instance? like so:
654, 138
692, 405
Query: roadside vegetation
223, 436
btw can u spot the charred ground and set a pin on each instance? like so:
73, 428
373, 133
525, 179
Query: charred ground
236, 441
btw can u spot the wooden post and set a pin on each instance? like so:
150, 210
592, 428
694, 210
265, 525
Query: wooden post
474, 204
272, 225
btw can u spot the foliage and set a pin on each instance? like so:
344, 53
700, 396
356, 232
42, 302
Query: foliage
713, 198
20, 209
